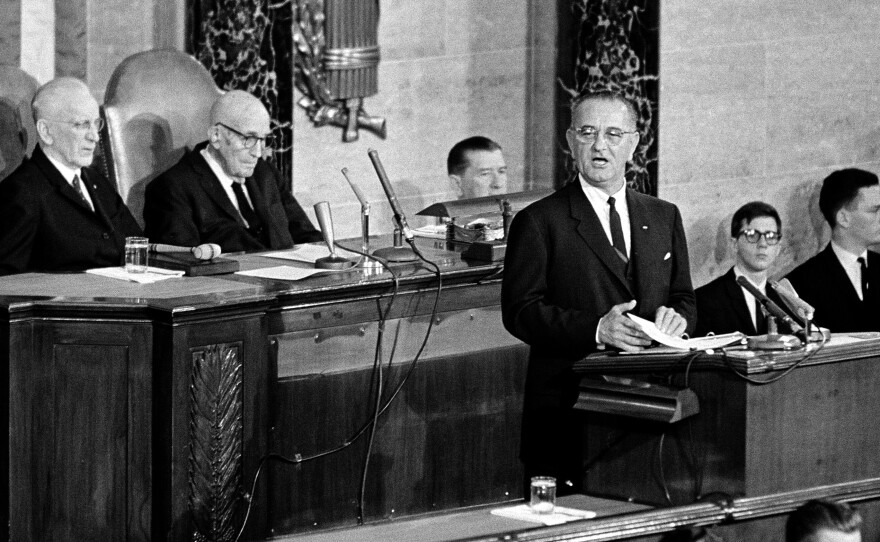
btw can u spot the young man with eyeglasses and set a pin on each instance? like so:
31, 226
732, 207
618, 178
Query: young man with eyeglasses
843, 280
57, 213
577, 261
723, 306
224, 191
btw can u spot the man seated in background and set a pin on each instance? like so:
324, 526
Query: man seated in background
55, 214
723, 306
842, 281
823, 521
476, 167
224, 191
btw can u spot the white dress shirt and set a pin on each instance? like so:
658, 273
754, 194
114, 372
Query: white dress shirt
851, 265
225, 180
751, 302
599, 200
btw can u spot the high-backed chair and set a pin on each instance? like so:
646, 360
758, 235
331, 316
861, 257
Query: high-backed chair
18, 135
157, 106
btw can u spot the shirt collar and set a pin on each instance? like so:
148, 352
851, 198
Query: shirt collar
66, 172
215, 166
596, 195
739, 273
846, 257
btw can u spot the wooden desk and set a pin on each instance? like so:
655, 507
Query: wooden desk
813, 427
121, 397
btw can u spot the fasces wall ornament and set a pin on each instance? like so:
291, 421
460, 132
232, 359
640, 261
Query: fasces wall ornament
336, 63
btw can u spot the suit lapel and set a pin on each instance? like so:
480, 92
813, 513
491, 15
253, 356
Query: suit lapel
643, 257
212, 187
590, 229
96, 194
51, 173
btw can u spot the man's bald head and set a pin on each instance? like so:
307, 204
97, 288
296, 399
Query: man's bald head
68, 121
239, 127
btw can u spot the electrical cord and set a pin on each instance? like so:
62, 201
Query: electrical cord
371, 424
778, 377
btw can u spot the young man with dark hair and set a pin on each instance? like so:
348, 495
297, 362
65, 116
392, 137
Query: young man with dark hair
723, 306
842, 281
824, 521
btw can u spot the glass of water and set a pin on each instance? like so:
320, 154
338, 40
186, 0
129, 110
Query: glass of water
543, 494
136, 253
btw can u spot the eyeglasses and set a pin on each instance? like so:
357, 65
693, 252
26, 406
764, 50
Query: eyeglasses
753, 236
588, 134
83, 126
249, 141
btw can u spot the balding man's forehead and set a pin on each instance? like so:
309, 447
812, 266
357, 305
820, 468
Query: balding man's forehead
65, 96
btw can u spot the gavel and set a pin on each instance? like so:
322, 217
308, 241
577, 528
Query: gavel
206, 251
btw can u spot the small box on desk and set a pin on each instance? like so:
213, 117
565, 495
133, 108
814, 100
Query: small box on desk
192, 266
485, 251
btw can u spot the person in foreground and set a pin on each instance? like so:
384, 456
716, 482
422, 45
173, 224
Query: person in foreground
723, 306
577, 261
56, 213
843, 280
477, 168
824, 521
224, 191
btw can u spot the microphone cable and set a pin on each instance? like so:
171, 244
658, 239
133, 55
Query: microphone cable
783, 374
378, 411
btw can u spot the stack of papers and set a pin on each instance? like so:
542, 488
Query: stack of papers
559, 516
282, 272
308, 253
699, 343
153, 274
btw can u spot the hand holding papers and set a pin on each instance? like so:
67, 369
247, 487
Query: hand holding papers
699, 343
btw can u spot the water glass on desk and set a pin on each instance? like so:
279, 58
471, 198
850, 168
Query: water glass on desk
543, 494
136, 254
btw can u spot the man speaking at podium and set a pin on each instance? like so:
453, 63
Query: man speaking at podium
576, 262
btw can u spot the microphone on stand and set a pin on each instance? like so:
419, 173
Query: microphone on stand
800, 309
771, 341
398, 252
325, 220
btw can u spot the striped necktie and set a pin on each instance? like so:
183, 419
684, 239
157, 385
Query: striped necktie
617, 240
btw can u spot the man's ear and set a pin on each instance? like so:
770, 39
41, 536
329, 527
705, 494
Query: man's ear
842, 217
43, 132
214, 136
456, 182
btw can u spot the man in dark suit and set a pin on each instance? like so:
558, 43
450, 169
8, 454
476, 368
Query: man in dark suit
843, 280
576, 262
723, 306
55, 214
224, 192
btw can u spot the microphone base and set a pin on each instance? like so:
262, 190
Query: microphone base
774, 341
396, 254
333, 262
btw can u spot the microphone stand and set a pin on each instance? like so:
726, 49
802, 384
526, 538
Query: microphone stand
398, 252
333, 261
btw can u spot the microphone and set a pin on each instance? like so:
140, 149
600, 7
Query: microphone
206, 251
768, 303
357, 191
790, 297
389, 193
325, 220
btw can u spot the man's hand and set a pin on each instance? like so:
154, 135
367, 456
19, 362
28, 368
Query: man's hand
615, 329
670, 322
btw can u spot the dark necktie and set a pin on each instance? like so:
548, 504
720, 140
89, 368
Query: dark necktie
760, 318
864, 268
78, 187
244, 207
616, 232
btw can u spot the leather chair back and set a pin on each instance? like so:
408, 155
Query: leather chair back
157, 106
18, 134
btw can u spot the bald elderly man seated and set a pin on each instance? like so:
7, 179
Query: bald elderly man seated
56, 214
224, 191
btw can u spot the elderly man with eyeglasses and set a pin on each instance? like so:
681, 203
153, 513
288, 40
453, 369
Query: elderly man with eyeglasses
577, 261
723, 306
224, 191
57, 213
842, 282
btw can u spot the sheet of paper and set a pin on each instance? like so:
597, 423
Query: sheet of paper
699, 343
282, 272
559, 516
153, 274
308, 253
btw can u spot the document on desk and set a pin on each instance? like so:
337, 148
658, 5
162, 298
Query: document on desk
151, 275
699, 343
282, 272
559, 515
307, 253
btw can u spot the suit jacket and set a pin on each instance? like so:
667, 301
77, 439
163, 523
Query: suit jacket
562, 275
187, 206
45, 225
823, 283
722, 308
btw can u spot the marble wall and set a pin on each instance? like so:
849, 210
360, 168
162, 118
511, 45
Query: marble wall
760, 101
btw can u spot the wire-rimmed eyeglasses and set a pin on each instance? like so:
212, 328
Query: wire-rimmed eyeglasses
588, 134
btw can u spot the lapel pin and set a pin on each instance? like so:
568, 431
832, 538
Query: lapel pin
644, 227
